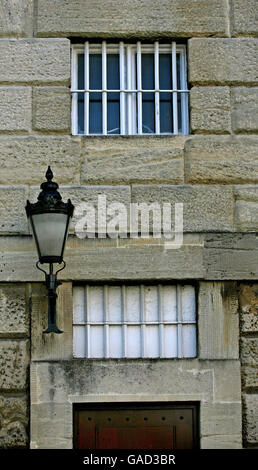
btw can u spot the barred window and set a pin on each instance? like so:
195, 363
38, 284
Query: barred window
115, 321
129, 89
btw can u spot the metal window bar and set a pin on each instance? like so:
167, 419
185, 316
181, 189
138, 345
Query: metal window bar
160, 313
87, 86
174, 85
179, 320
143, 329
88, 323
106, 322
122, 88
129, 86
104, 87
156, 75
74, 84
139, 87
124, 321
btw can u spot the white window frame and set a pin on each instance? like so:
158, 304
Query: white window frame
130, 88
86, 317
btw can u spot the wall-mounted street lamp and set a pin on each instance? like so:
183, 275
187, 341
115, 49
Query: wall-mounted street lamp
49, 219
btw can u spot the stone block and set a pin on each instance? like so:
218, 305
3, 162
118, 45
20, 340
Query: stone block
221, 159
51, 109
210, 109
104, 259
35, 60
218, 324
13, 422
16, 18
133, 160
14, 357
244, 109
12, 212
15, 109
250, 418
227, 381
166, 18
246, 208
222, 61
204, 208
13, 310
232, 264
244, 17
25, 159
249, 376
249, 308
51, 346
219, 420
249, 351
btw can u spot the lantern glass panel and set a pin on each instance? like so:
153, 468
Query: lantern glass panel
50, 232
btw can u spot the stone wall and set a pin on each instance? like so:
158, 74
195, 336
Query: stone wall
249, 355
213, 171
14, 363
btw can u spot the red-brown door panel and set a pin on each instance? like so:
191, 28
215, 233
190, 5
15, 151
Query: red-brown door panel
136, 426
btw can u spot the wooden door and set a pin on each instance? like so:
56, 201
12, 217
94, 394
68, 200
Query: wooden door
136, 426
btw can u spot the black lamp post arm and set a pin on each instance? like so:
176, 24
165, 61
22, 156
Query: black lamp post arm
51, 284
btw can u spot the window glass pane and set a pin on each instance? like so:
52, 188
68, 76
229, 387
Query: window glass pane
113, 113
189, 340
79, 341
148, 113
80, 71
170, 340
115, 341
95, 113
178, 62
133, 341
166, 112
80, 113
179, 111
114, 304
133, 303
96, 304
113, 82
165, 72
148, 71
152, 341
151, 303
95, 71
188, 303
97, 341
169, 303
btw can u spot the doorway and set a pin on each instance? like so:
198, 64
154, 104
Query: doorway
136, 426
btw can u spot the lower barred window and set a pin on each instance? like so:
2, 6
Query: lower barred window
130, 321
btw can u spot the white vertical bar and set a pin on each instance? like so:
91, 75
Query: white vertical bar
160, 307
106, 321
124, 320
179, 321
122, 87
142, 317
184, 100
74, 85
87, 317
129, 87
86, 87
156, 68
139, 87
104, 87
174, 84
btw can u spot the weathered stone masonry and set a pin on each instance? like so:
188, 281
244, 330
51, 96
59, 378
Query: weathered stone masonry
214, 171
